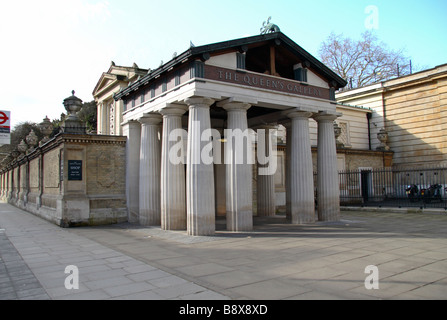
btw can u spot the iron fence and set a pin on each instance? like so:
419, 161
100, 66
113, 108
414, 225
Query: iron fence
421, 187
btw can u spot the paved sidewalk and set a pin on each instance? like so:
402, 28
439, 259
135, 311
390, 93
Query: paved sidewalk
104, 273
17, 281
274, 261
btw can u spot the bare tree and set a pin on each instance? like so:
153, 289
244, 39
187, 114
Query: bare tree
363, 62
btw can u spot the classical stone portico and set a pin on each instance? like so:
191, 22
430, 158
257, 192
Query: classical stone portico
223, 97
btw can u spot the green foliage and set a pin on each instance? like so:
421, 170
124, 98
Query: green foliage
88, 115
22, 130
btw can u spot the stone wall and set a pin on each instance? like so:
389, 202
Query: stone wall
71, 180
416, 122
413, 111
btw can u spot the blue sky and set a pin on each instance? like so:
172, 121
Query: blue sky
51, 47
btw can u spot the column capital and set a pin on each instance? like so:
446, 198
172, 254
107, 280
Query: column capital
299, 113
326, 116
234, 104
130, 122
203, 102
174, 110
151, 118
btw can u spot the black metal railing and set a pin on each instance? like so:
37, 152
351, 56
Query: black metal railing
421, 187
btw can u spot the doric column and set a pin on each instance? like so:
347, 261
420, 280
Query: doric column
200, 206
220, 180
288, 126
173, 194
265, 183
104, 118
328, 199
132, 129
150, 160
239, 173
302, 199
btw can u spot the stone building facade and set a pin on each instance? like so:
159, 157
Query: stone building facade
110, 112
412, 110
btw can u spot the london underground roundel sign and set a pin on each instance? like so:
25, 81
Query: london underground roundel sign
5, 130
3, 118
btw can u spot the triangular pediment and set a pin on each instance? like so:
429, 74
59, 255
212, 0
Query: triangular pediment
116, 74
272, 54
105, 80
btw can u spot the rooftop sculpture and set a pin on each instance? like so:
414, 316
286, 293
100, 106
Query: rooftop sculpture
268, 27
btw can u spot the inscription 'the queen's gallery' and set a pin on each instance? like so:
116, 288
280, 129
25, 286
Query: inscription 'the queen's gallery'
265, 82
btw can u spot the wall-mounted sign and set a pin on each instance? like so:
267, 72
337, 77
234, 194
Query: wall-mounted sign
75, 170
262, 81
5, 129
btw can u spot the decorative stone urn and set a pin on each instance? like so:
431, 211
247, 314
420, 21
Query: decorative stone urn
382, 135
31, 140
73, 105
22, 147
15, 154
72, 124
46, 127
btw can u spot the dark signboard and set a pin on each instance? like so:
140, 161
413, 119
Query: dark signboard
75, 170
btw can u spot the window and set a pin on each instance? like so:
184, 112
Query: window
177, 78
300, 74
240, 60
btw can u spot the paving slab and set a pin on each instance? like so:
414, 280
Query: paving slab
34, 254
277, 260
